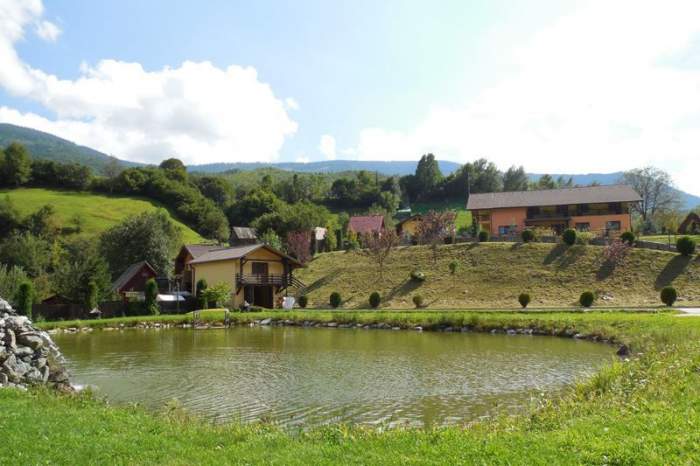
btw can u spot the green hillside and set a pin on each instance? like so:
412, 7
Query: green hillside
99, 212
45, 146
494, 274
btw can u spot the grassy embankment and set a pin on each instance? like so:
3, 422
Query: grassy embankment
643, 411
98, 212
492, 275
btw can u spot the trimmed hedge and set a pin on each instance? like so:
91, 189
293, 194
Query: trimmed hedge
303, 301
417, 276
418, 300
527, 235
669, 295
628, 237
587, 298
483, 236
569, 236
375, 299
686, 246
334, 300
524, 299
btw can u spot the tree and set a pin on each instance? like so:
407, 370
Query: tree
11, 277
217, 189
515, 179
271, 239
428, 175
25, 299
44, 222
656, 189
379, 246
219, 294
200, 289
151, 297
299, 245
113, 168
150, 236
545, 182
17, 165
434, 227
10, 218
81, 275
174, 169
252, 206
25, 250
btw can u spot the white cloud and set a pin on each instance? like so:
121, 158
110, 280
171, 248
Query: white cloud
197, 111
48, 31
327, 146
613, 86
291, 103
302, 159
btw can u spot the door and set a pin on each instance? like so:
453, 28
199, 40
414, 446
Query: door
263, 296
260, 271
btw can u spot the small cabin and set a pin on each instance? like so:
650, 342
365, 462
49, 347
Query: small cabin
366, 224
257, 274
132, 282
241, 236
407, 228
691, 225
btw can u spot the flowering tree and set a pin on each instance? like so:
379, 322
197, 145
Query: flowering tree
434, 227
299, 245
379, 246
616, 252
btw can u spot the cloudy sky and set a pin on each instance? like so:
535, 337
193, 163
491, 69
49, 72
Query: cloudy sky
559, 86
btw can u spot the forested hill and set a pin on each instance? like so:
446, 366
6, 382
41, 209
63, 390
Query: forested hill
45, 146
389, 168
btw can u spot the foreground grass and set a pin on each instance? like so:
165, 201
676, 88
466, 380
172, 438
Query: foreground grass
492, 275
643, 411
98, 212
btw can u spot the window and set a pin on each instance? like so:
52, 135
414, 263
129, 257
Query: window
585, 226
504, 230
613, 225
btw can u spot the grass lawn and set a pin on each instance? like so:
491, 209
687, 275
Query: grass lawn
463, 219
99, 212
665, 238
492, 275
645, 410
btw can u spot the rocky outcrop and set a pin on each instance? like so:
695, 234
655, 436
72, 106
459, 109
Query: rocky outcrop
28, 356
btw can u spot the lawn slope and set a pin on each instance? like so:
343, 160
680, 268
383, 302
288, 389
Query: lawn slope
99, 212
492, 275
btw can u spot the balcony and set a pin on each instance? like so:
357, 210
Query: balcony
283, 281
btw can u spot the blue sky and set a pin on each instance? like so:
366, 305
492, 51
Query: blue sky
558, 86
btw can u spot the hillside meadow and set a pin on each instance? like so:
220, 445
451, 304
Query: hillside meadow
98, 212
492, 275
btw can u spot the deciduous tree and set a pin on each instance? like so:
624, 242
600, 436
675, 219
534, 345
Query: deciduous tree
379, 246
655, 186
434, 227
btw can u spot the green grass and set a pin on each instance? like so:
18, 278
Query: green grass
492, 275
99, 212
463, 219
665, 238
643, 411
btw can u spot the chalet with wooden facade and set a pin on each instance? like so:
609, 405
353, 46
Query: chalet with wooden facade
603, 210
131, 284
257, 274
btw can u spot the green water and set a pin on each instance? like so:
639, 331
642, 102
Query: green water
310, 376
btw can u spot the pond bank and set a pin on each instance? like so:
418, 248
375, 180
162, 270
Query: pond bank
638, 411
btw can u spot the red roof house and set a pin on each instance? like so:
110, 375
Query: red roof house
133, 280
363, 224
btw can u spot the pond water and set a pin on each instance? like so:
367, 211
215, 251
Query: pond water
310, 376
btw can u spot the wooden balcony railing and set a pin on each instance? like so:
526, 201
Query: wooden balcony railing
283, 281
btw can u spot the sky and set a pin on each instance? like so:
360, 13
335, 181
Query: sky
559, 86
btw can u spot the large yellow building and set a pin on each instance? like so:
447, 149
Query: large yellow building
257, 274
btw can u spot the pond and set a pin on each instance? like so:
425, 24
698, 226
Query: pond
309, 376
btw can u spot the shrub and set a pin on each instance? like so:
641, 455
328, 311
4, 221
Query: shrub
584, 237
453, 267
524, 299
527, 235
586, 299
669, 295
685, 245
303, 301
483, 236
375, 299
334, 299
418, 300
151, 296
628, 237
569, 236
25, 298
417, 276
201, 297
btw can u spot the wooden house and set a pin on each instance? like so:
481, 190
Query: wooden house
131, 284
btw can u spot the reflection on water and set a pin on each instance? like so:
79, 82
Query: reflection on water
311, 376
